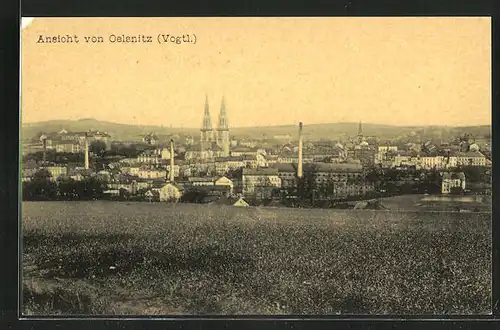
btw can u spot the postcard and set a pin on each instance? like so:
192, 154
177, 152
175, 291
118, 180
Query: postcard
256, 166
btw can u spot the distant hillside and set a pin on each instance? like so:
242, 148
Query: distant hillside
117, 131
315, 131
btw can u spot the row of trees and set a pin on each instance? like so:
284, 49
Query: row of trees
42, 187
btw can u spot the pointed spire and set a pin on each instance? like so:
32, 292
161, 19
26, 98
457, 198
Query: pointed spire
360, 128
207, 123
223, 123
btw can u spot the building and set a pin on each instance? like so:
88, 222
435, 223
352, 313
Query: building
151, 157
68, 146
215, 140
287, 173
261, 178
452, 180
79, 137
57, 171
384, 149
431, 162
168, 192
471, 158
224, 181
240, 202
79, 174
151, 139
150, 173
338, 181
201, 181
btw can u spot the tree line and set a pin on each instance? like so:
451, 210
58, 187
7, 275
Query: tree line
42, 187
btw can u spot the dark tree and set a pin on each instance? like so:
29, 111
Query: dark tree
97, 147
41, 187
193, 195
456, 190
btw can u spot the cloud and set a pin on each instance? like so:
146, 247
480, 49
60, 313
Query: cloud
26, 21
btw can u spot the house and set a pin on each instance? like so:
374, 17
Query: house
150, 157
452, 180
224, 181
195, 153
223, 200
384, 149
240, 202
57, 171
224, 164
79, 174
201, 181
168, 192
150, 173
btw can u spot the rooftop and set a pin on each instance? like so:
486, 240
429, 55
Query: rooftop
260, 171
453, 176
201, 179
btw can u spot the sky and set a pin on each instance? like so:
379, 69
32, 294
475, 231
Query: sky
270, 71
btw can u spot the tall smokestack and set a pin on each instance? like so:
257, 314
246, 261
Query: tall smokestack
171, 160
299, 167
86, 152
44, 151
43, 138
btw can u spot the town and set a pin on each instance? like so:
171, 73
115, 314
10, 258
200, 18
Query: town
282, 171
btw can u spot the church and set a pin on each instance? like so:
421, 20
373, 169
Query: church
215, 141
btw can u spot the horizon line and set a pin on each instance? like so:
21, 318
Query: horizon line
256, 126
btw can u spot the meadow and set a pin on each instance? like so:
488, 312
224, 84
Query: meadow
159, 259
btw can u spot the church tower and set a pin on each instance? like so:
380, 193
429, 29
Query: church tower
207, 134
360, 133
223, 129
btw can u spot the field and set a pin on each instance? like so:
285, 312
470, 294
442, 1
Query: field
158, 259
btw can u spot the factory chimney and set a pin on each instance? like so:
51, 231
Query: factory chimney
86, 152
44, 142
171, 161
299, 167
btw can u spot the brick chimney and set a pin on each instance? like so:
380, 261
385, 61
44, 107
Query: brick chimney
86, 152
299, 167
171, 161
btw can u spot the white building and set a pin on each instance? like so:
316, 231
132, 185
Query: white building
452, 180
224, 181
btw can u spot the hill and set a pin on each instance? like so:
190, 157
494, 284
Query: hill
314, 131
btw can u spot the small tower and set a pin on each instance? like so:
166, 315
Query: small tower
360, 132
223, 129
206, 130
299, 166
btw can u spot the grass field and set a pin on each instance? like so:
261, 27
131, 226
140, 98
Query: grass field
139, 258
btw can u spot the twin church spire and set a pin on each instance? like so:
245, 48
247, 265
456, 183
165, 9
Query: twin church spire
221, 136
207, 122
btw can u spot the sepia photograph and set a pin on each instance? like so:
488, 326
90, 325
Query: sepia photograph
277, 166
